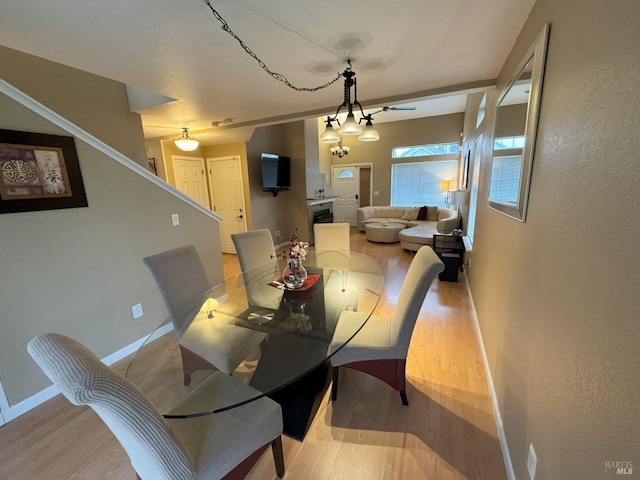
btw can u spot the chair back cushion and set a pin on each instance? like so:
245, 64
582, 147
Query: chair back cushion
254, 248
259, 265
332, 237
82, 378
180, 276
422, 271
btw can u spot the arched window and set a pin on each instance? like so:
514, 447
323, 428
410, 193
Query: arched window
345, 174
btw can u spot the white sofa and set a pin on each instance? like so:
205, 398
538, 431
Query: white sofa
418, 232
445, 220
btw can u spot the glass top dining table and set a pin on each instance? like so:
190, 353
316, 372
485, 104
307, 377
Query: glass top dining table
254, 328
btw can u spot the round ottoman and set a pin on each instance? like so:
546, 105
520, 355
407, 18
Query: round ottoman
383, 232
416, 237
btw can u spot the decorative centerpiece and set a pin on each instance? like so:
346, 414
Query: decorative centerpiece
295, 275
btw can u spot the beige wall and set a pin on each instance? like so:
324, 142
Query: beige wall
285, 212
78, 271
423, 131
288, 210
557, 297
93, 103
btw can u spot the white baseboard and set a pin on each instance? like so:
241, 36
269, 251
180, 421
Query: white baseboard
502, 438
14, 411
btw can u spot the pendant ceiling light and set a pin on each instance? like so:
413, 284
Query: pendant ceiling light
340, 150
350, 126
186, 143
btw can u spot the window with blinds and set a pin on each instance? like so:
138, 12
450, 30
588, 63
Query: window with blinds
417, 184
504, 185
425, 150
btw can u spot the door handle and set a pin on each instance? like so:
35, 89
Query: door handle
239, 217
356, 196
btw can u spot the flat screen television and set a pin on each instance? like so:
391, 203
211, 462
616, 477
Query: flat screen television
276, 172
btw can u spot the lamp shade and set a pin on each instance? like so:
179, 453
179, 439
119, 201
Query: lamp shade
186, 143
350, 126
458, 198
330, 135
448, 185
369, 134
210, 304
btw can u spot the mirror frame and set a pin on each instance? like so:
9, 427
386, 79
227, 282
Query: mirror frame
537, 52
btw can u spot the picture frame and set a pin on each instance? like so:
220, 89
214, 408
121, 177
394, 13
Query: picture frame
39, 172
465, 171
152, 165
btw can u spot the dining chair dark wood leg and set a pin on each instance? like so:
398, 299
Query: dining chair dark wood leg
191, 363
278, 456
334, 384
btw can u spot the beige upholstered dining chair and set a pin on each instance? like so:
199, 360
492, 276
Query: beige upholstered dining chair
259, 265
222, 445
332, 237
254, 248
380, 348
181, 277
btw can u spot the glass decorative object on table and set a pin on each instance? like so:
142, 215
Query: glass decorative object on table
295, 275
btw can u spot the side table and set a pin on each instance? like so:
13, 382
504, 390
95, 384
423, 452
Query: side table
450, 249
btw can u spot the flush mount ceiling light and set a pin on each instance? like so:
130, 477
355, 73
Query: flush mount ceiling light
186, 143
350, 126
340, 151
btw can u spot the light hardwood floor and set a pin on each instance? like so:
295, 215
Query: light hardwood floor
447, 432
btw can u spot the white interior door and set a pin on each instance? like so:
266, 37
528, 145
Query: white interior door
190, 178
227, 197
346, 186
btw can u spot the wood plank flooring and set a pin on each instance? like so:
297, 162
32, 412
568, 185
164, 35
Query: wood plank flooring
446, 433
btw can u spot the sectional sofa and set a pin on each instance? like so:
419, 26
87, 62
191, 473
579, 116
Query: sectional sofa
418, 232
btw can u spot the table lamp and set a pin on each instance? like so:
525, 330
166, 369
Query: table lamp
209, 306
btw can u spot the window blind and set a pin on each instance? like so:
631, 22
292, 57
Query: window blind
418, 183
505, 179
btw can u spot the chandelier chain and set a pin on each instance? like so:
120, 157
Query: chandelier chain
275, 75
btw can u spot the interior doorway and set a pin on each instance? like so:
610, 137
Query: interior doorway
190, 178
227, 197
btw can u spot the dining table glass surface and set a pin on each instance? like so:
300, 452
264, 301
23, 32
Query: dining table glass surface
256, 329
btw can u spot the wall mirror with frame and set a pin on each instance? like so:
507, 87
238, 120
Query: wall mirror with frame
515, 132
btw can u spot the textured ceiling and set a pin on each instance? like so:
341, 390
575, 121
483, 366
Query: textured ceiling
401, 51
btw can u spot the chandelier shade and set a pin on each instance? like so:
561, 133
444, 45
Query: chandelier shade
369, 134
186, 143
329, 135
350, 126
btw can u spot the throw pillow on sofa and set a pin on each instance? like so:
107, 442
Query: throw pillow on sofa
410, 213
432, 213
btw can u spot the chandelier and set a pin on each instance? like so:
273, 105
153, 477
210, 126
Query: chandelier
340, 151
365, 133
350, 126
186, 143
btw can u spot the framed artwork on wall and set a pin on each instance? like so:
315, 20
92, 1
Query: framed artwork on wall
152, 165
465, 171
39, 172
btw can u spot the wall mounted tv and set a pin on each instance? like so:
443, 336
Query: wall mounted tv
276, 173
